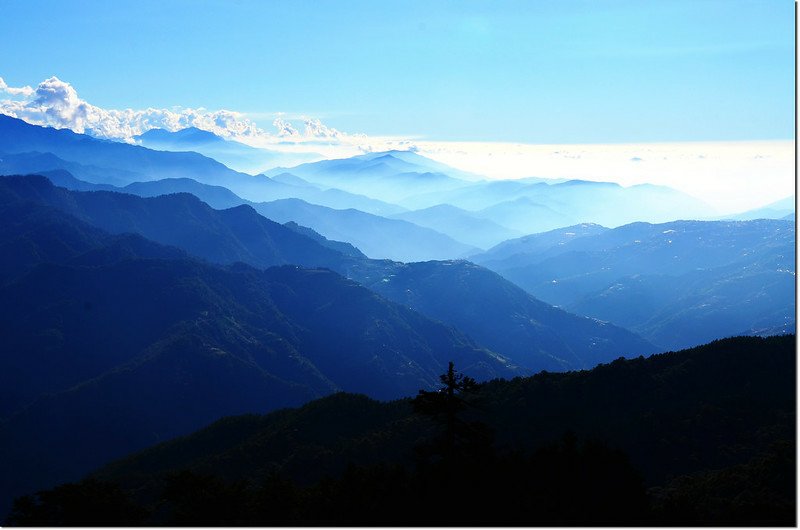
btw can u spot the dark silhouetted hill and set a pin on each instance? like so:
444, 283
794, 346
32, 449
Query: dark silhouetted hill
697, 437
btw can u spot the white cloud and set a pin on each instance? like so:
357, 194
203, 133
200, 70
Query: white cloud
316, 129
21, 91
285, 128
56, 103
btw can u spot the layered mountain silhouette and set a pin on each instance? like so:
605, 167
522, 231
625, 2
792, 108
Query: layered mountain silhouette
241, 234
383, 184
390, 176
462, 225
27, 148
536, 206
376, 236
220, 236
74, 173
20, 137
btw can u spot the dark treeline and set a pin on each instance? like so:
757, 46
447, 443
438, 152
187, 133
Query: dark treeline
465, 463
566, 483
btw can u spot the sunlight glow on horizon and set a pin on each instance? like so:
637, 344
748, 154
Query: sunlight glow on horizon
729, 176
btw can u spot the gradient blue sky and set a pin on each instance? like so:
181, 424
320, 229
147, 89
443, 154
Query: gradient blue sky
537, 72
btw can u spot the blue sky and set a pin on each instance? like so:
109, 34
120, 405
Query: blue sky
534, 72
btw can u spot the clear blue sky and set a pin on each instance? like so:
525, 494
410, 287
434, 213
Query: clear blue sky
558, 71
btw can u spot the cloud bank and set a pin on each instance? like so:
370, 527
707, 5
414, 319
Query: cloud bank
55, 103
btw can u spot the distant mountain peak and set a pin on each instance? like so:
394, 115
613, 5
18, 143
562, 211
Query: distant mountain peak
188, 135
579, 182
405, 156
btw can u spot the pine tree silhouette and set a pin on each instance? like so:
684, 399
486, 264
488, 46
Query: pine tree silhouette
445, 403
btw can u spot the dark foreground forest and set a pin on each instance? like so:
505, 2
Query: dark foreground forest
704, 436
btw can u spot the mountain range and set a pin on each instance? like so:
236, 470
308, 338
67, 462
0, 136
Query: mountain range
377, 237
241, 234
390, 176
146, 292
399, 184
26, 148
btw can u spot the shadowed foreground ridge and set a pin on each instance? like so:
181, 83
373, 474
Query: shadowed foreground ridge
704, 436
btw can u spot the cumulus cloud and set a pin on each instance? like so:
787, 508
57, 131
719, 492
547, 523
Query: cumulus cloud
316, 129
285, 128
21, 91
56, 103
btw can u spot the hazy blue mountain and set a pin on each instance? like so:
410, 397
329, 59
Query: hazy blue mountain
459, 224
677, 284
609, 204
235, 155
294, 180
389, 176
342, 200
380, 163
532, 207
474, 196
521, 250
64, 179
375, 236
217, 197
775, 210
546, 180
345, 248
525, 215
698, 306
424, 164
44, 163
